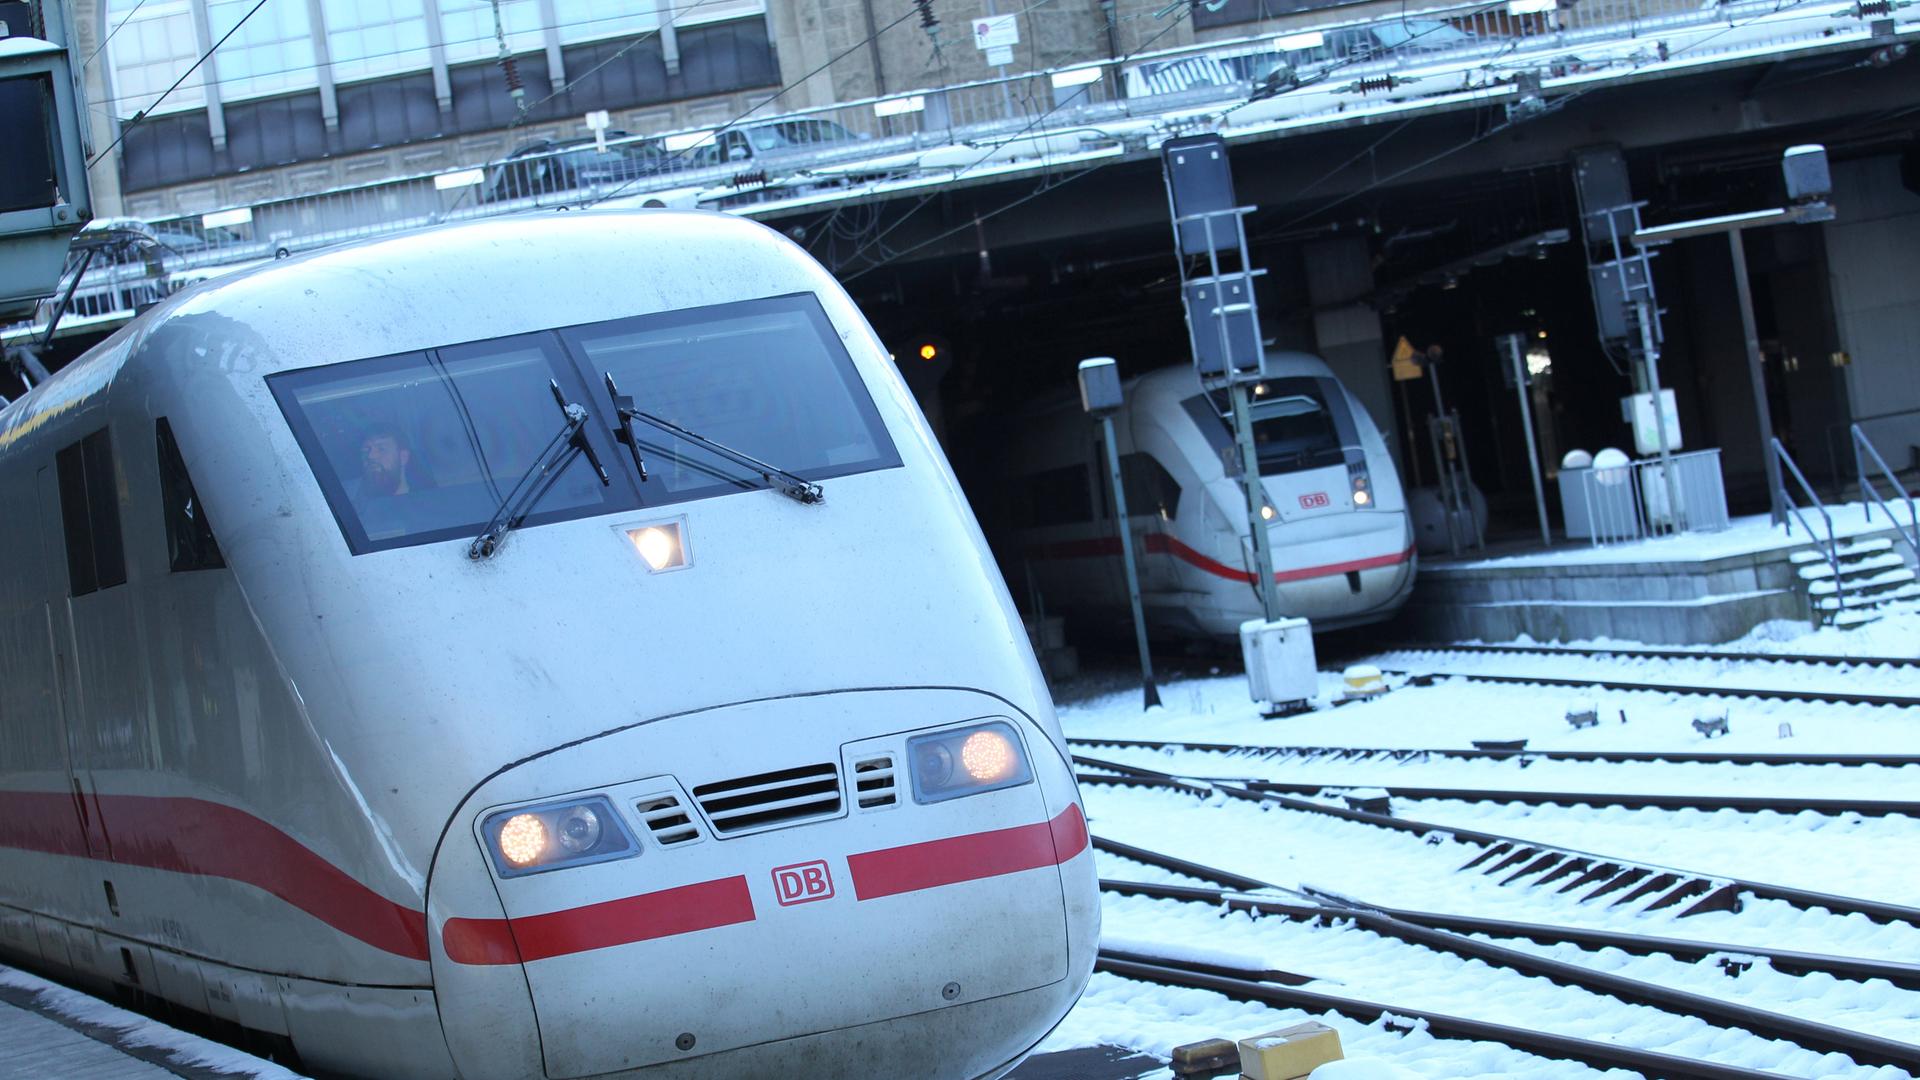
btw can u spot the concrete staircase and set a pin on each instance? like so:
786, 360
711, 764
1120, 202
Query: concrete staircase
1872, 575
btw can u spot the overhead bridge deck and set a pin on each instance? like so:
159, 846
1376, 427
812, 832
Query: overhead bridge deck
1465, 56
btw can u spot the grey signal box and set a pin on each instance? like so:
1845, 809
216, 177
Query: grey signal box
1100, 386
1200, 182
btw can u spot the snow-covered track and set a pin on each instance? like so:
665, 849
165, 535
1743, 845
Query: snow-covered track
1362, 753
1441, 1025
1863, 1048
1829, 697
1669, 654
1746, 804
1533, 864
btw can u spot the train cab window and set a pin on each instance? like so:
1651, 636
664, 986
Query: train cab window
90, 514
426, 446
1151, 489
190, 542
766, 377
1299, 423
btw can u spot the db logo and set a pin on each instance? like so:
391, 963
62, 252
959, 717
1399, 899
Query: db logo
802, 883
1315, 500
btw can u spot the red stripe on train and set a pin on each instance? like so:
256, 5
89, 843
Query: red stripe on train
194, 836
666, 913
934, 863
1163, 544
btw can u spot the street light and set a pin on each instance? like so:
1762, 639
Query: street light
1809, 186
1101, 397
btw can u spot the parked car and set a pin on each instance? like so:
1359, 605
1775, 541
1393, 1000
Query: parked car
547, 166
773, 138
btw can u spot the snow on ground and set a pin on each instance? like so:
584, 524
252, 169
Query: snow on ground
1456, 712
1350, 962
1744, 674
1745, 535
1291, 848
1897, 633
1875, 1006
136, 1030
1155, 1019
1869, 857
1535, 774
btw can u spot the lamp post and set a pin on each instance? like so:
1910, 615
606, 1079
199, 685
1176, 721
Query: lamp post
1101, 397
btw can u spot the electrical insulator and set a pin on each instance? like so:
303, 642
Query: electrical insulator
511, 68
928, 21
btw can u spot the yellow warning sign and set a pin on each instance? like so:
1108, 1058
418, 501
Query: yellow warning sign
1406, 362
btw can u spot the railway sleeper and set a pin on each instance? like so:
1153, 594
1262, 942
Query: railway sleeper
1544, 862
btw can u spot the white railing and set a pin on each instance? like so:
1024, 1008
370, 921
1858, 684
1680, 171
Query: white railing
1616, 504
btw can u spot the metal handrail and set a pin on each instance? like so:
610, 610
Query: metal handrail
1831, 548
1910, 538
1828, 434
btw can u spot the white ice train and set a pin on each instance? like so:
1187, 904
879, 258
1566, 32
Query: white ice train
680, 777
1342, 542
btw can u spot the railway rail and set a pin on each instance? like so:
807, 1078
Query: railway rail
1535, 864
1828, 697
1826, 660
1863, 1048
1506, 752
1783, 804
1441, 1025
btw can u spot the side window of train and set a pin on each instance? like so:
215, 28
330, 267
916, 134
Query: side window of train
1151, 489
90, 515
190, 542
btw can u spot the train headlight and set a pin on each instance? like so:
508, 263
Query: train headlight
523, 839
967, 761
661, 547
1267, 511
532, 839
1361, 484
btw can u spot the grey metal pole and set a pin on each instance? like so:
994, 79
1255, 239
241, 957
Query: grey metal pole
1262, 570
1756, 373
1152, 693
1516, 355
1650, 358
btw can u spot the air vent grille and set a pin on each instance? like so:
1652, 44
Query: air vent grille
667, 820
768, 799
873, 783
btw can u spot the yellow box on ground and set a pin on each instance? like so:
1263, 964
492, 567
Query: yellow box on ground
1290, 1052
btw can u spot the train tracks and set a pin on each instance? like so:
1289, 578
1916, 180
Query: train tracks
1625, 653
1451, 934
1765, 693
1582, 875
1783, 804
1507, 752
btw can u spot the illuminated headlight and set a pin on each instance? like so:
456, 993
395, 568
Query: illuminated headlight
1361, 484
662, 546
528, 840
1267, 512
950, 764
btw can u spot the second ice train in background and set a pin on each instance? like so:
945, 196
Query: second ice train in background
1342, 540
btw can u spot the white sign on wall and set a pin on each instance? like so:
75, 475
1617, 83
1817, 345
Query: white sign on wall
1000, 55
994, 31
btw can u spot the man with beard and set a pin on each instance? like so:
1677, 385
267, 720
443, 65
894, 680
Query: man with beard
385, 462
390, 480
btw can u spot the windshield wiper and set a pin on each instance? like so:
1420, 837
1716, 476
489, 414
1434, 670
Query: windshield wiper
571, 439
775, 477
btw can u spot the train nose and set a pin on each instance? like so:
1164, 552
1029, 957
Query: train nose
823, 895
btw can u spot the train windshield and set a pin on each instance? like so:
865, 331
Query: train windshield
765, 377
1299, 423
1293, 430
424, 446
